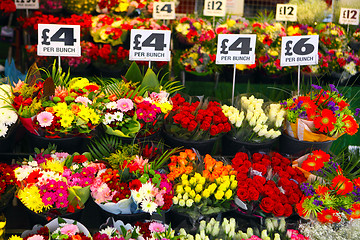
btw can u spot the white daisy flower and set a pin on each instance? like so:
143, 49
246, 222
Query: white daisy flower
11, 117
118, 116
108, 231
137, 196
3, 130
108, 118
111, 105
146, 190
148, 206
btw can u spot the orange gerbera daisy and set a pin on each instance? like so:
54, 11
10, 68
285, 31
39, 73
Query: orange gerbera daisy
321, 190
351, 126
325, 122
342, 185
312, 164
357, 181
321, 155
328, 216
355, 211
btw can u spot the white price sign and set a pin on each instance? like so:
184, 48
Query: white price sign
236, 49
27, 4
215, 8
149, 45
299, 50
286, 12
59, 40
164, 10
349, 16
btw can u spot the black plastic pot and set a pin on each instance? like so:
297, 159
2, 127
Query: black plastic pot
7, 143
293, 146
152, 137
231, 146
204, 146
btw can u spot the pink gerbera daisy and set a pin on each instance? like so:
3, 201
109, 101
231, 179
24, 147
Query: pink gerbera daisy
45, 119
156, 227
124, 104
69, 230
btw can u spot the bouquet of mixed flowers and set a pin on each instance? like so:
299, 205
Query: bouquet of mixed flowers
8, 116
356, 35
332, 36
147, 23
107, 57
118, 6
196, 120
155, 230
191, 31
201, 190
198, 60
267, 185
67, 229
240, 25
320, 115
49, 6
300, 29
80, 7
323, 66
343, 62
53, 183
253, 124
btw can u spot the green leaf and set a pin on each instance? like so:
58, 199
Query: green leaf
134, 74
150, 81
60, 220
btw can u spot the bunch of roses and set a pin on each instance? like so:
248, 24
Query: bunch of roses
267, 183
182, 164
197, 121
110, 55
194, 30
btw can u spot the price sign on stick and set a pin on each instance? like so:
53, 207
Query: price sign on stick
149, 45
215, 8
27, 4
349, 16
236, 49
164, 10
59, 40
286, 12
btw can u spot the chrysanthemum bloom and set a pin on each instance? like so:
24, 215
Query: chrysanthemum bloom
351, 126
328, 216
124, 104
342, 185
45, 119
325, 122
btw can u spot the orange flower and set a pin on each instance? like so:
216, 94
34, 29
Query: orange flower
312, 164
75, 108
342, 185
325, 122
351, 126
357, 181
50, 109
75, 237
321, 190
138, 99
321, 155
355, 211
328, 216
112, 97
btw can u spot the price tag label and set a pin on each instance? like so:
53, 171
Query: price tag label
59, 40
286, 12
215, 8
164, 10
349, 16
236, 49
149, 45
27, 4
299, 50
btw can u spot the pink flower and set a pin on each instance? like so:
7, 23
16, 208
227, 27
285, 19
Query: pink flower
124, 104
159, 200
141, 162
45, 119
36, 237
156, 227
61, 155
69, 229
83, 100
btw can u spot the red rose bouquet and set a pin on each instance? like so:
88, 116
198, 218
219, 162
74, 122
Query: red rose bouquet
267, 184
196, 120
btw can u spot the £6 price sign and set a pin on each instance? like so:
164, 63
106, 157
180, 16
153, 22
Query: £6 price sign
236, 49
299, 50
59, 40
149, 45
286, 12
349, 16
215, 8
164, 10
27, 4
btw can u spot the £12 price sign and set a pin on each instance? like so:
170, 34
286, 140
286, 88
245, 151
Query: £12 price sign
286, 12
215, 8
349, 16
149, 45
59, 40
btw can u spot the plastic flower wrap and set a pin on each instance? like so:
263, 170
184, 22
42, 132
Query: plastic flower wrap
195, 120
253, 124
198, 60
267, 185
236, 26
116, 229
155, 230
53, 183
203, 190
8, 115
66, 228
320, 115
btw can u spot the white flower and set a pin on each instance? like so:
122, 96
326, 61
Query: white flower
136, 196
33, 163
276, 134
181, 202
118, 116
269, 133
111, 105
175, 200
189, 202
148, 206
232, 118
10, 116
253, 121
108, 118
3, 130
279, 121
83, 100
23, 172
146, 190
249, 115
263, 131
108, 231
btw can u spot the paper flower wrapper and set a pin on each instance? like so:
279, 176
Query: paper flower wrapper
309, 176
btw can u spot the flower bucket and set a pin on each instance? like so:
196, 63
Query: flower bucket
54, 224
6, 198
231, 146
203, 146
292, 146
7, 144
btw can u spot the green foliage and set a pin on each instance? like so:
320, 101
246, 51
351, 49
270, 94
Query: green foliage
133, 74
102, 147
123, 153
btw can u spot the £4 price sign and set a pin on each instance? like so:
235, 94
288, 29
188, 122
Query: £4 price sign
59, 40
215, 8
27, 4
349, 16
149, 45
236, 49
286, 12
299, 50
164, 10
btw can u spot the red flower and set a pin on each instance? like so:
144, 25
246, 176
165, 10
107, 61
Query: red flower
312, 164
278, 210
342, 185
135, 184
351, 126
79, 159
328, 216
288, 210
325, 122
321, 190
243, 194
355, 211
267, 204
253, 194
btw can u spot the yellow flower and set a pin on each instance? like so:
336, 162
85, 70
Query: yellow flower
231, 22
193, 56
199, 188
66, 122
222, 187
197, 25
55, 166
219, 194
212, 187
84, 113
185, 182
234, 185
180, 189
202, 180
273, 53
206, 193
60, 108
192, 181
103, 34
228, 194
15, 237
184, 177
123, 6
78, 82
241, 67
165, 107
197, 176
232, 178
187, 189
192, 194
30, 197
334, 32
197, 198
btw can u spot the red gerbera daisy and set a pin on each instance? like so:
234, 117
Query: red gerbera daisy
328, 216
355, 211
312, 164
321, 190
342, 185
325, 122
321, 155
351, 126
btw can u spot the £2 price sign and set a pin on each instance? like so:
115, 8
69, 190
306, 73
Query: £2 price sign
27, 4
286, 12
349, 16
59, 40
164, 10
149, 45
215, 8
236, 49
299, 50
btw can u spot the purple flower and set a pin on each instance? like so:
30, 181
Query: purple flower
302, 114
348, 211
317, 87
317, 202
333, 88
357, 112
307, 189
